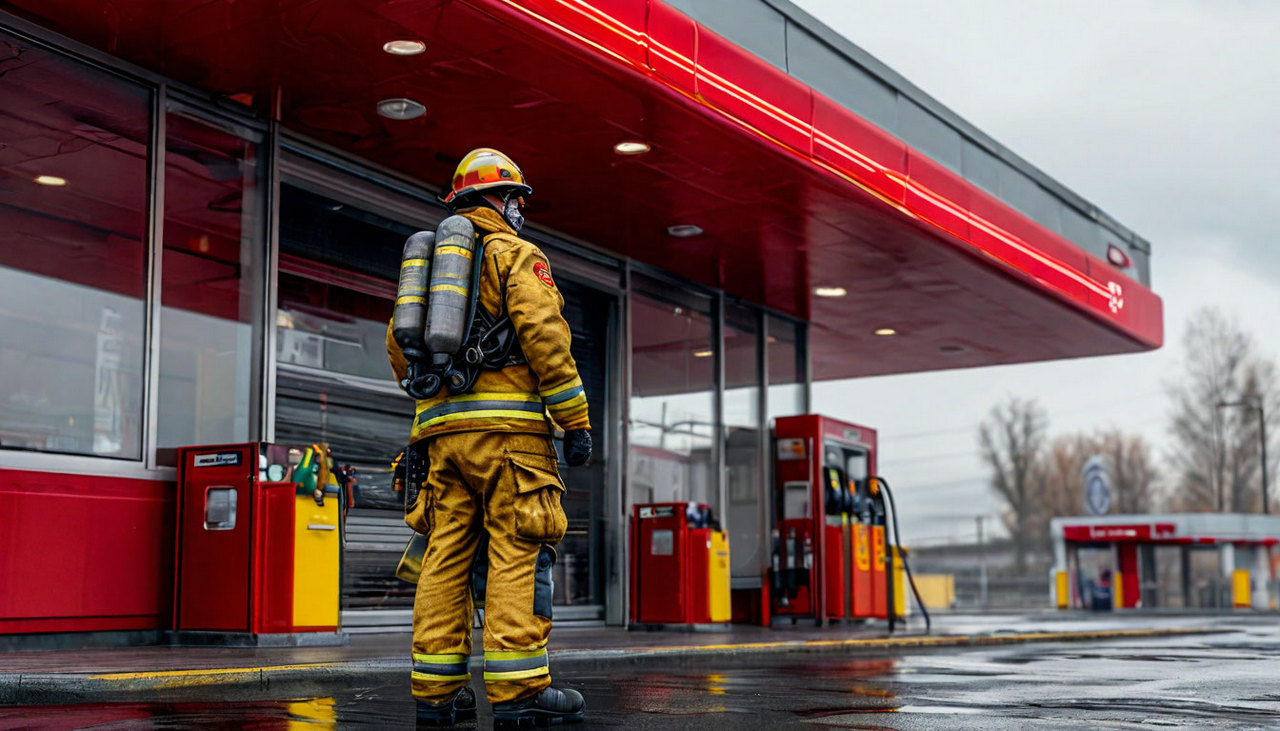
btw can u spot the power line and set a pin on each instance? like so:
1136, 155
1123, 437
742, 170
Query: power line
979, 481
974, 425
933, 457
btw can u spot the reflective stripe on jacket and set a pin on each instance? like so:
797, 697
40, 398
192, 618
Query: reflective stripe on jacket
515, 280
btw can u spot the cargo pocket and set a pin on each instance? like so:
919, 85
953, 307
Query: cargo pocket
543, 584
418, 516
539, 516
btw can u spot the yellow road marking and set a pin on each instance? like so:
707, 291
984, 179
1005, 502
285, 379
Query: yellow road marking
935, 640
206, 671
206, 676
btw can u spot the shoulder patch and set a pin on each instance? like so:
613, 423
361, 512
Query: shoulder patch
543, 273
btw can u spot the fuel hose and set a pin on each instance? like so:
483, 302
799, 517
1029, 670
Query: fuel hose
897, 541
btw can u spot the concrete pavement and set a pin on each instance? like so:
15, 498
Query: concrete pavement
1219, 680
168, 672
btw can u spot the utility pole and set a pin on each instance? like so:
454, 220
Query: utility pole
1262, 431
982, 563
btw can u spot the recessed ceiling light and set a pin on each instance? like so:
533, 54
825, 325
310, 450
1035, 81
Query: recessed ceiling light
684, 230
51, 180
886, 331
404, 48
631, 147
830, 291
702, 353
401, 109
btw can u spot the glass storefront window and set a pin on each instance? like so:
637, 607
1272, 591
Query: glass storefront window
339, 263
73, 221
742, 437
580, 569
337, 287
672, 430
785, 351
211, 265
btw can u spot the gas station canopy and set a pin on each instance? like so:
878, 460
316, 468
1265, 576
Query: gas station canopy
792, 192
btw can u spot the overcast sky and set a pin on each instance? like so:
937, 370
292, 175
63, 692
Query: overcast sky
1164, 113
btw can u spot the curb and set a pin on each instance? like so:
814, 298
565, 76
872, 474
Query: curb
877, 643
50, 688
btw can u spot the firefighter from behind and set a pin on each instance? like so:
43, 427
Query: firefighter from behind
484, 391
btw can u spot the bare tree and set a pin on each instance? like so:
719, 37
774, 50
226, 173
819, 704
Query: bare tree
1059, 481
1216, 460
1012, 440
1130, 464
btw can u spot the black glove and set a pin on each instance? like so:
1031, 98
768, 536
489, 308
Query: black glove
577, 447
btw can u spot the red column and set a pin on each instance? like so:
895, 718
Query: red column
1128, 556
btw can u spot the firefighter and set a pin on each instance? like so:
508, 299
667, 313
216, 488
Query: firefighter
492, 468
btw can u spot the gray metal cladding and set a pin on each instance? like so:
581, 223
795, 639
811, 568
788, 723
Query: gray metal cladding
748, 23
1026, 195
1082, 231
919, 128
830, 74
981, 168
787, 37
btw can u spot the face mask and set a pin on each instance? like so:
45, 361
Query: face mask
511, 212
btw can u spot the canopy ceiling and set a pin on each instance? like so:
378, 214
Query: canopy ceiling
791, 190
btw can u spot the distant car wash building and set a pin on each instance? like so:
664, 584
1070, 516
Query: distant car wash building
1181, 561
202, 206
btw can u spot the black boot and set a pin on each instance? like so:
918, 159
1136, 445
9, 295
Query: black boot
461, 708
551, 706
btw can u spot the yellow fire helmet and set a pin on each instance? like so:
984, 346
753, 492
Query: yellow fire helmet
486, 169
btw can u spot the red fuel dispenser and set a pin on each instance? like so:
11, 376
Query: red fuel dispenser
820, 466
258, 541
680, 565
880, 589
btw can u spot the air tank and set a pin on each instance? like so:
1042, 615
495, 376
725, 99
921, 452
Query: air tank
408, 321
449, 303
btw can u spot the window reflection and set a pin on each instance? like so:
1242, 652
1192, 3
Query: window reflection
672, 429
212, 260
785, 350
72, 255
746, 491
337, 287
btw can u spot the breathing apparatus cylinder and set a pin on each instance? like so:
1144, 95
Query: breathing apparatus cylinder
410, 316
449, 302
409, 319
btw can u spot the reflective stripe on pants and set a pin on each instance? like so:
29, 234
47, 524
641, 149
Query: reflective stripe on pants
518, 665
440, 668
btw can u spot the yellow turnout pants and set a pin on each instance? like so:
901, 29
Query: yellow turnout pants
506, 484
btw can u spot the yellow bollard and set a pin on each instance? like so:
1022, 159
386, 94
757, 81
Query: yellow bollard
1241, 595
1061, 593
1117, 590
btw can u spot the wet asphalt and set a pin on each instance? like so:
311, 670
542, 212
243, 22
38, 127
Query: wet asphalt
1227, 680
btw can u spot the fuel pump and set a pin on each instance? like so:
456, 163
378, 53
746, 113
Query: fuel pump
880, 590
861, 580
834, 554
814, 517
835, 567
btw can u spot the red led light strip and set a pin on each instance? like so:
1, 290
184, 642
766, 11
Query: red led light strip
643, 39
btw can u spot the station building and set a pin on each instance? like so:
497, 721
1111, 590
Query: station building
202, 206
1179, 561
